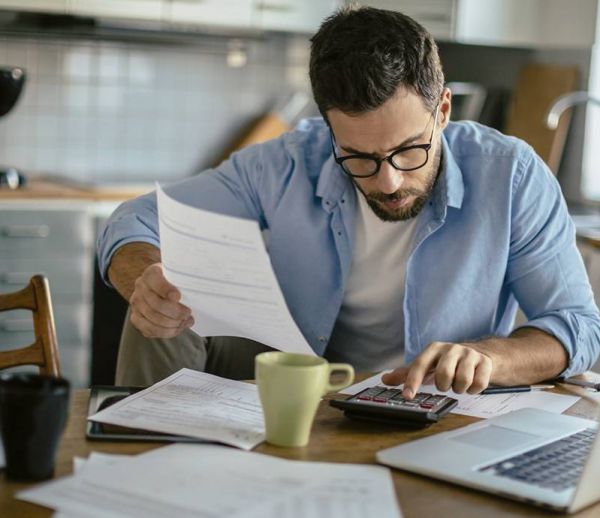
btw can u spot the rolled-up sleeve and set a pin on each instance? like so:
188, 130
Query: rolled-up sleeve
133, 221
545, 270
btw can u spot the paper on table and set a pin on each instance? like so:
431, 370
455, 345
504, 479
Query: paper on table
208, 481
194, 404
73, 497
488, 405
221, 266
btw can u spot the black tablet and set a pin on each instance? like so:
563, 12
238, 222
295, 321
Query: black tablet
101, 397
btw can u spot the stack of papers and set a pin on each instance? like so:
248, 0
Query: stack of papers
484, 406
197, 480
194, 404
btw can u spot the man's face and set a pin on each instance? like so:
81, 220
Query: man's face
402, 121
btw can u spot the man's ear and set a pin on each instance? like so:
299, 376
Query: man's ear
445, 107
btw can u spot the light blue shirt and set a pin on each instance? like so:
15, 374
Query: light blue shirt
494, 235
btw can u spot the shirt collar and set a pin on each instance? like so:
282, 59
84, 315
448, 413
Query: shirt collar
451, 177
332, 184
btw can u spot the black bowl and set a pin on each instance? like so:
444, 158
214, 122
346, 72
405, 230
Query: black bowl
12, 80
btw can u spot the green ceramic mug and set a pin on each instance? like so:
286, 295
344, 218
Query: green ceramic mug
290, 388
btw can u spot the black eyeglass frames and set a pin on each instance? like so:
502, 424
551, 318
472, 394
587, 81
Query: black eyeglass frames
407, 158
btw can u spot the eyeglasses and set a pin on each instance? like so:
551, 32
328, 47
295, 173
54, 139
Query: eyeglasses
407, 158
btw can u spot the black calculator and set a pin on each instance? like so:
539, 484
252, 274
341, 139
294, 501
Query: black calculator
386, 405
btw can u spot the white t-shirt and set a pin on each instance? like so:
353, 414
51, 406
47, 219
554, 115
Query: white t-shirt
369, 330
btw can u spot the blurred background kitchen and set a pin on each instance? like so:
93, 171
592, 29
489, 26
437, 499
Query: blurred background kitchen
117, 94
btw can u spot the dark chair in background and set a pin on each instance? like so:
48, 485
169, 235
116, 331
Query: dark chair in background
44, 351
109, 314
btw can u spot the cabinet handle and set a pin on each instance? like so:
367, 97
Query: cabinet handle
26, 231
18, 278
432, 17
16, 326
281, 8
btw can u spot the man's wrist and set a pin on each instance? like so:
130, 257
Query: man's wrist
495, 352
128, 263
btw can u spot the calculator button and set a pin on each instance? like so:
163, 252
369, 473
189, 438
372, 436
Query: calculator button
370, 392
420, 397
364, 398
434, 400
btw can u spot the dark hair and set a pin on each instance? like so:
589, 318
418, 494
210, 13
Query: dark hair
361, 56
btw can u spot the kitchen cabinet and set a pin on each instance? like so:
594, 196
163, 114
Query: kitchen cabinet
527, 23
210, 13
590, 253
293, 16
142, 10
51, 228
511, 23
437, 16
58, 241
47, 6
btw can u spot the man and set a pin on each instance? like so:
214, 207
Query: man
395, 234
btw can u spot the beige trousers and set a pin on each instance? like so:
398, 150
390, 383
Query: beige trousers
144, 361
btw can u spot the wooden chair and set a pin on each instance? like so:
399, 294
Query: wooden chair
44, 351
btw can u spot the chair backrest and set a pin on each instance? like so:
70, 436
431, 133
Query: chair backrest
44, 351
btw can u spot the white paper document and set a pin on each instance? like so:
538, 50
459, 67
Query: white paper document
485, 406
193, 404
191, 480
222, 268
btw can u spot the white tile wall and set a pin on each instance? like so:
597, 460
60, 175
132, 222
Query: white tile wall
106, 111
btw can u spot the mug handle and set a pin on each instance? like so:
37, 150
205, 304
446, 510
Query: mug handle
340, 367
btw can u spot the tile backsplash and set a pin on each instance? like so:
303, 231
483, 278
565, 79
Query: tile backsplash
107, 111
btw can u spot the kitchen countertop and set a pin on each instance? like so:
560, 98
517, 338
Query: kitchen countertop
48, 188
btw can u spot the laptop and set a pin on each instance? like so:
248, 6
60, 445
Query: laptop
546, 459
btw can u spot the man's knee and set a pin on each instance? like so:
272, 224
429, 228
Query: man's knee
233, 357
144, 361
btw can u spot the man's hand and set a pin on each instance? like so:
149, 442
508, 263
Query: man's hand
135, 271
460, 367
155, 308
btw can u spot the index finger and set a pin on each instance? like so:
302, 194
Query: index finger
418, 370
158, 283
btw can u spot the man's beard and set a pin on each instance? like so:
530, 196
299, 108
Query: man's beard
403, 214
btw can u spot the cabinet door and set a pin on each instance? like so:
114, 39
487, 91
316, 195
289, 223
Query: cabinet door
437, 16
217, 13
43, 6
294, 16
150, 10
527, 23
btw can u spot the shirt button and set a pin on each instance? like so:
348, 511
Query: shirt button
322, 339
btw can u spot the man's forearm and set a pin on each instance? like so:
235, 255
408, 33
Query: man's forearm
128, 263
528, 355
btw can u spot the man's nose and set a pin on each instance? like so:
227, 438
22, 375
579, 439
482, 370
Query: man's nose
389, 180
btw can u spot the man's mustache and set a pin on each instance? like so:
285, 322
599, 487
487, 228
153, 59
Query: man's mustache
395, 196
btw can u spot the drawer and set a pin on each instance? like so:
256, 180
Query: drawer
27, 234
72, 325
75, 364
70, 279
437, 16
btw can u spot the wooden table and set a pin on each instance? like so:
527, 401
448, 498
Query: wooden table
336, 439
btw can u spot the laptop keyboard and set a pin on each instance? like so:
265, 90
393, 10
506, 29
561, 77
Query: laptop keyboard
555, 466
